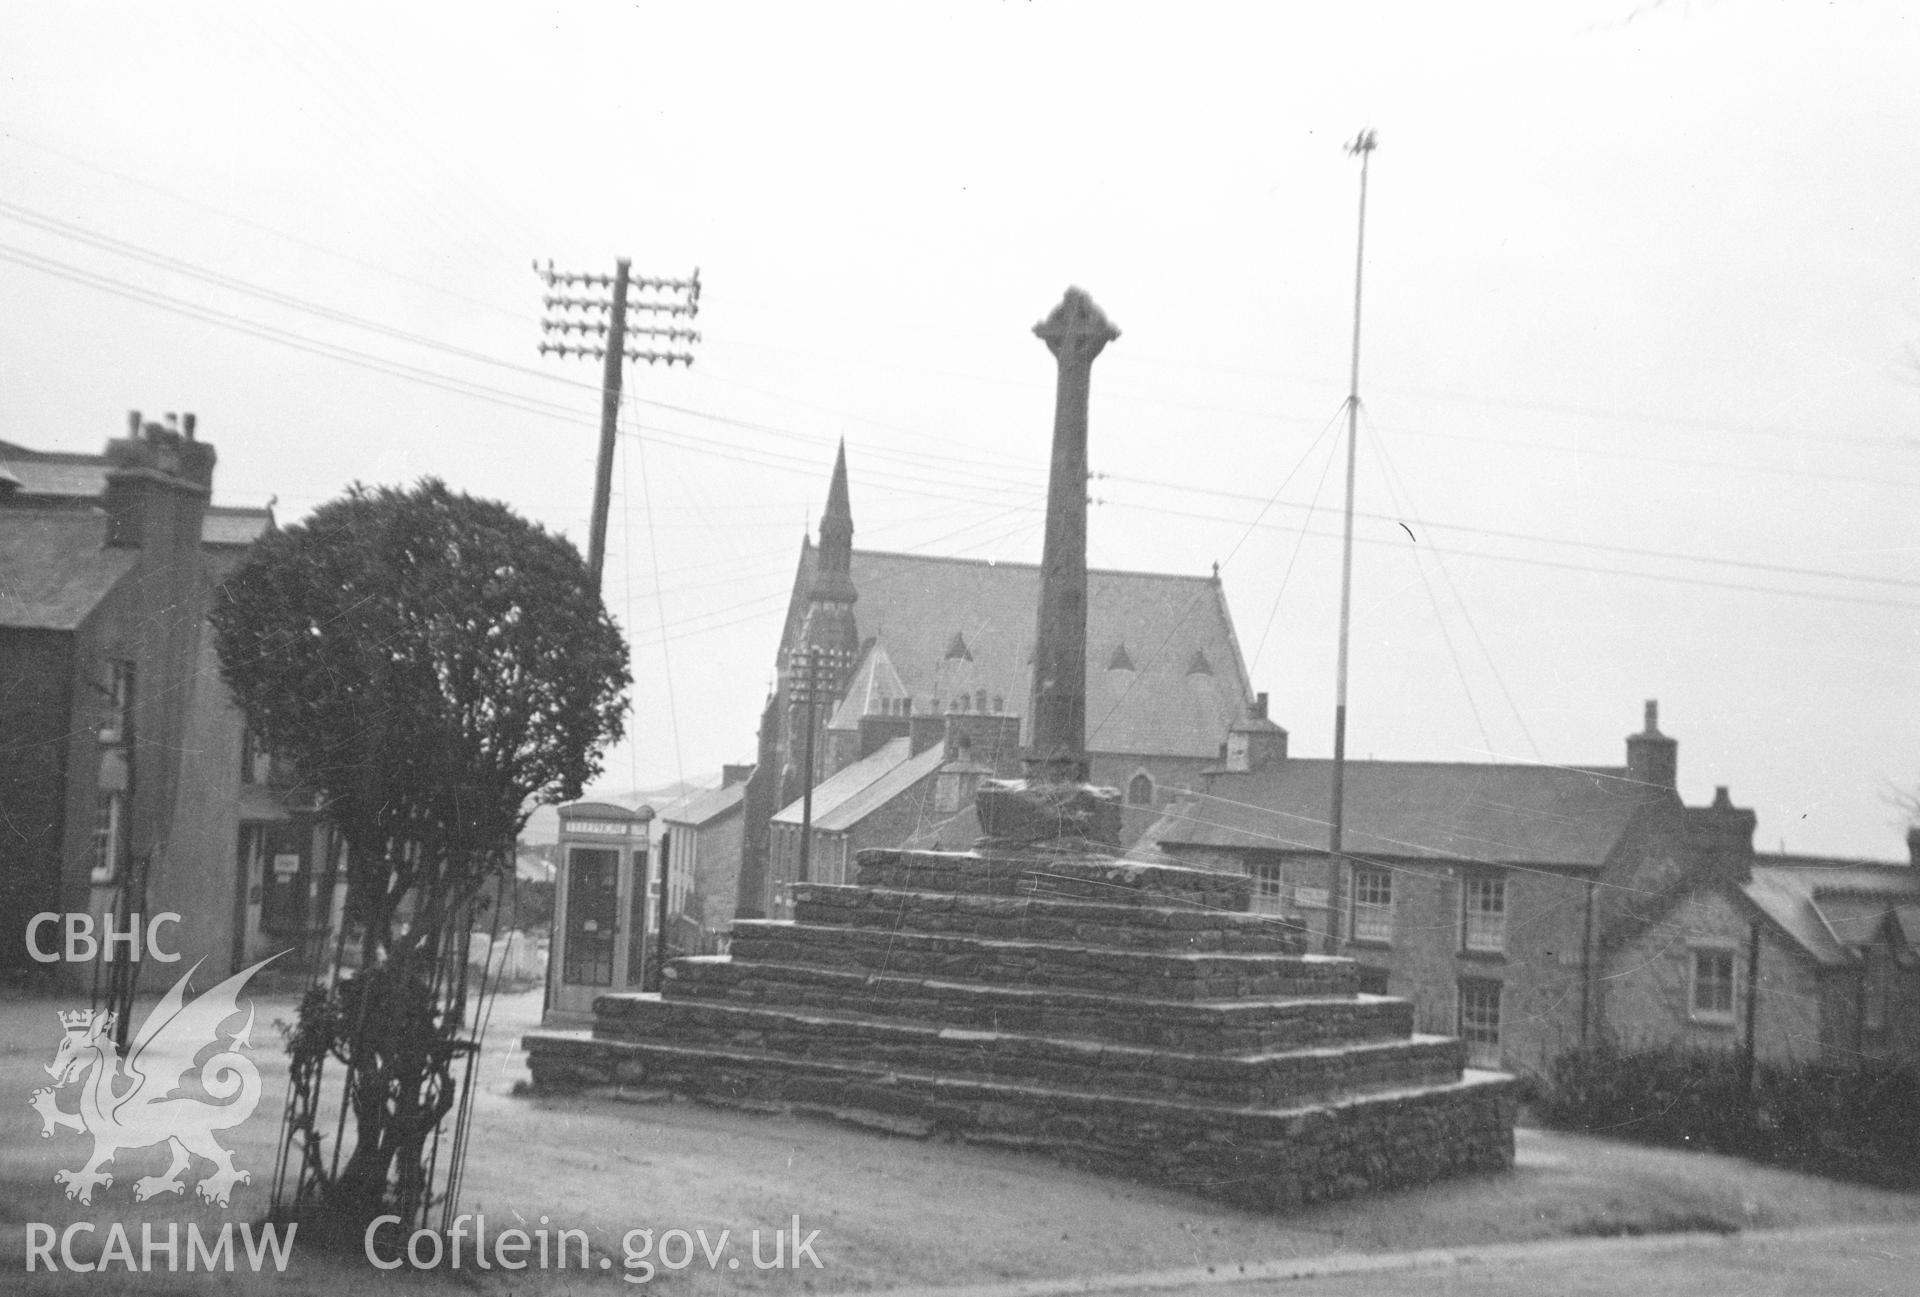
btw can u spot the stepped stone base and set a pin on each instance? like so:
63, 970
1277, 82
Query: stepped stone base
1125, 1017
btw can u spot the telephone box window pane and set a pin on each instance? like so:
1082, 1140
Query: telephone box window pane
593, 914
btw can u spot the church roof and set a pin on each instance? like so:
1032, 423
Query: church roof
916, 605
874, 686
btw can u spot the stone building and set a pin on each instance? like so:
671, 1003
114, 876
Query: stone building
911, 785
1531, 909
1476, 890
127, 775
1802, 958
701, 837
911, 635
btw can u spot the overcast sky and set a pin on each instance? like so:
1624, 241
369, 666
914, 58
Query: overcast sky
1640, 388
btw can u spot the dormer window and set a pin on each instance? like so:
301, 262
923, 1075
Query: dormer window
1239, 751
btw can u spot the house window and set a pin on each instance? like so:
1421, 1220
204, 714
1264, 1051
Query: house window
119, 701
1713, 985
109, 836
1269, 897
1480, 1021
1485, 926
1372, 905
1140, 790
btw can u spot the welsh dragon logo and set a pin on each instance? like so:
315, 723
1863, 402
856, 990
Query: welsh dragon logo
138, 1102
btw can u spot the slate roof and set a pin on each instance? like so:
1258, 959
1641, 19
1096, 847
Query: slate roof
852, 794
1828, 907
54, 473
704, 808
1499, 814
227, 525
874, 686
916, 605
55, 567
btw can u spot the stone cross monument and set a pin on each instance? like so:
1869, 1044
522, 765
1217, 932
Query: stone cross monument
1054, 801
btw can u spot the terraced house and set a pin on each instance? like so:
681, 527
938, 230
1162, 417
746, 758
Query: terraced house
128, 781
1530, 908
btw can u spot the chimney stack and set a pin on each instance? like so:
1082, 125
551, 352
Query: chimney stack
1653, 759
1720, 838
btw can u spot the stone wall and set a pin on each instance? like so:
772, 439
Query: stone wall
1134, 1018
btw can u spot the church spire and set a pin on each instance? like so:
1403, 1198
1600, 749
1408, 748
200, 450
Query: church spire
833, 578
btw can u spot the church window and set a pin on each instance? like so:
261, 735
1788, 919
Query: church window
1140, 789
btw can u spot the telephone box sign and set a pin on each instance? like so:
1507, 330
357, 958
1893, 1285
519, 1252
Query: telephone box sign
602, 828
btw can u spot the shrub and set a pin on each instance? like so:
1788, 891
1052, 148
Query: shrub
1861, 1121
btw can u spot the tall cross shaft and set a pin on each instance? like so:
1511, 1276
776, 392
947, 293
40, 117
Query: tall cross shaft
1076, 332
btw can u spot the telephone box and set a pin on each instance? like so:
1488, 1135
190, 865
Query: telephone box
602, 907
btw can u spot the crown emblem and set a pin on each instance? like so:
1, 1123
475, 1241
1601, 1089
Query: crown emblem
78, 1018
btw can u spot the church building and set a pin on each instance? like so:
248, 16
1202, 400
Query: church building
886, 642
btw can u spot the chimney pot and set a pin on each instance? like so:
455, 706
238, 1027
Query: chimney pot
1653, 716
133, 424
1721, 800
1913, 846
186, 425
1260, 707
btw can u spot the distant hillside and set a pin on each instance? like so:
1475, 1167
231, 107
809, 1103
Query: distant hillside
543, 826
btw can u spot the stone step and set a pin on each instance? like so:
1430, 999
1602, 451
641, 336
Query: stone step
1158, 974
1200, 1026
1042, 918
1262, 1078
1061, 875
1265, 1158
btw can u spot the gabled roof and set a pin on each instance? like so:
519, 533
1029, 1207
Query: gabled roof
1830, 907
917, 606
862, 788
874, 685
1499, 814
55, 567
703, 809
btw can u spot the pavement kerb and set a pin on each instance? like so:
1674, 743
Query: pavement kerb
1344, 1263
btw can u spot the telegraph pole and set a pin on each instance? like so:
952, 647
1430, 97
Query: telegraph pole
812, 659
607, 319
1362, 146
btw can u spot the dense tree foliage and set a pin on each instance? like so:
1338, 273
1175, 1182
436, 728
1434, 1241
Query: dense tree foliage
434, 666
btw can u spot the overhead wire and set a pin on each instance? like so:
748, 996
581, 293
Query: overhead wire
1396, 485
550, 410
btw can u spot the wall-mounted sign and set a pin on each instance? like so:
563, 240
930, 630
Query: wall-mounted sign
1310, 898
286, 864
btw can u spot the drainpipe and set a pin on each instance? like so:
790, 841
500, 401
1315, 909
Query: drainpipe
1586, 971
1753, 1008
